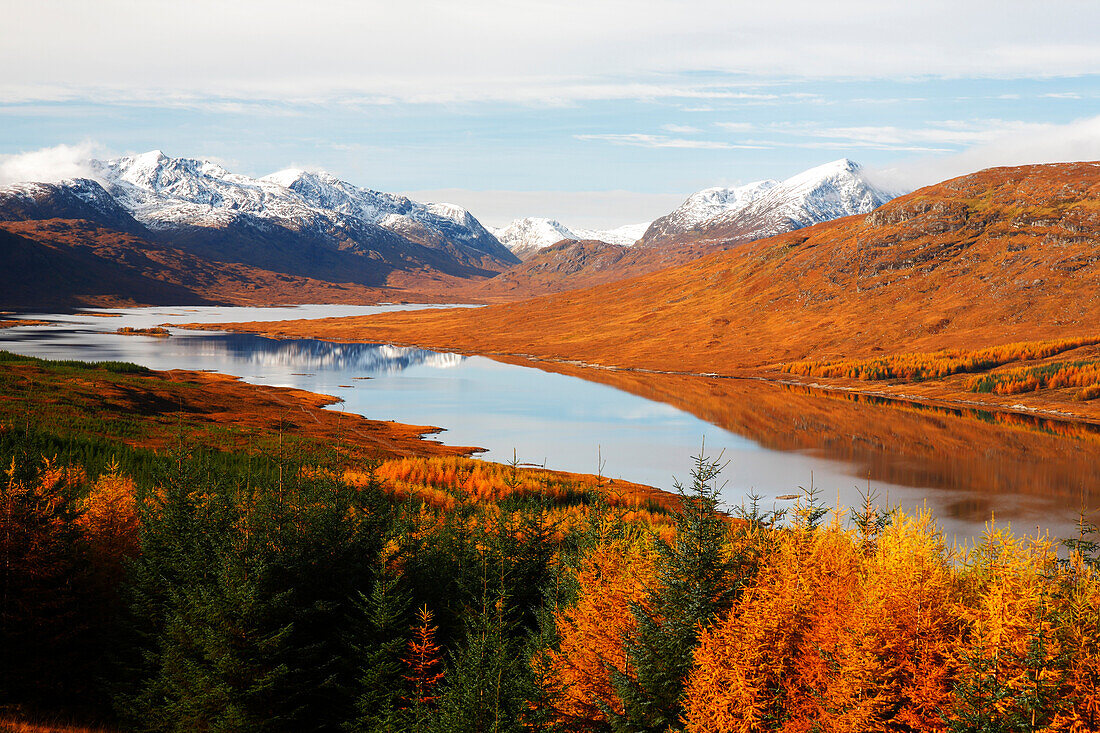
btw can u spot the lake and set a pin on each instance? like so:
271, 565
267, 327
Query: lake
963, 465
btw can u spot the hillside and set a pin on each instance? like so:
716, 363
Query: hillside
709, 221
1003, 255
576, 264
63, 263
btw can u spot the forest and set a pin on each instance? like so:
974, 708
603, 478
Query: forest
190, 587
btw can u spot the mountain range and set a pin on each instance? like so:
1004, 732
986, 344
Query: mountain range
295, 222
766, 208
295, 232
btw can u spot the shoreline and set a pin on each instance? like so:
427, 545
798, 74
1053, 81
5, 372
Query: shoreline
224, 412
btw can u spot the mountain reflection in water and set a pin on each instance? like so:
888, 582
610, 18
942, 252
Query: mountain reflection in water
963, 464
307, 355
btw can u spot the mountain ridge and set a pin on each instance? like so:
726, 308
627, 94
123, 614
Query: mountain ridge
528, 235
197, 206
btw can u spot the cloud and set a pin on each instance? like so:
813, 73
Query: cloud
736, 126
681, 129
49, 165
940, 136
1015, 145
640, 140
546, 51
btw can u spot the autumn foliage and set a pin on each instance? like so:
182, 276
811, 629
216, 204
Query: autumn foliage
424, 659
1082, 374
577, 674
829, 621
937, 364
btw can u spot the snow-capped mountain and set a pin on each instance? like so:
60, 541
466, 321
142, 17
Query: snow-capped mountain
766, 208
524, 237
704, 205
295, 222
75, 198
428, 223
164, 192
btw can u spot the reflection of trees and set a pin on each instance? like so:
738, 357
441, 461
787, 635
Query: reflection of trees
310, 355
990, 452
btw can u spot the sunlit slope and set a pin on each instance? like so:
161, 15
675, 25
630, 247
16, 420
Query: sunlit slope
1006, 254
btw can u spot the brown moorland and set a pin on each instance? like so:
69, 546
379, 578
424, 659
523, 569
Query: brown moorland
1000, 256
576, 264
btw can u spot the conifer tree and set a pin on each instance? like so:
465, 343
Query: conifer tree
380, 640
423, 662
488, 681
696, 581
40, 564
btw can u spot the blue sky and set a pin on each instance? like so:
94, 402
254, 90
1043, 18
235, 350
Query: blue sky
597, 113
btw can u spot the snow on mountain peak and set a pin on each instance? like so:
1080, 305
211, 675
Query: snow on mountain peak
285, 177
164, 192
764, 208
527, 236
822, 193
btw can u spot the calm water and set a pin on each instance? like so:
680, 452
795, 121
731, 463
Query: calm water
645, 430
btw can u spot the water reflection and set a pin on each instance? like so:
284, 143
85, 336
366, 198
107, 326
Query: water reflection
965, 464
307, 355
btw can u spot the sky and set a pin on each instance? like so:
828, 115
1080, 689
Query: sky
597, 112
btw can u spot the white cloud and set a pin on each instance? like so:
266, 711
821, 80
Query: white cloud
681, 129
49, 165
940, 136
736, 126
947, 132
637, 139
1022, 145
544, 51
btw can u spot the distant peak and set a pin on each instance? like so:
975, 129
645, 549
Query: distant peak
288, 176
843, 165
285, 177
150, 159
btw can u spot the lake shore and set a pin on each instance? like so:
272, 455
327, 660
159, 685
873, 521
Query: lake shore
159, 410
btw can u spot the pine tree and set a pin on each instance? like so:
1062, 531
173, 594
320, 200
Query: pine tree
488, 681
696, 581
381, 637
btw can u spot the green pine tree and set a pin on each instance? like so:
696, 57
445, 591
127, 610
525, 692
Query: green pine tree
697, 581
381, 638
